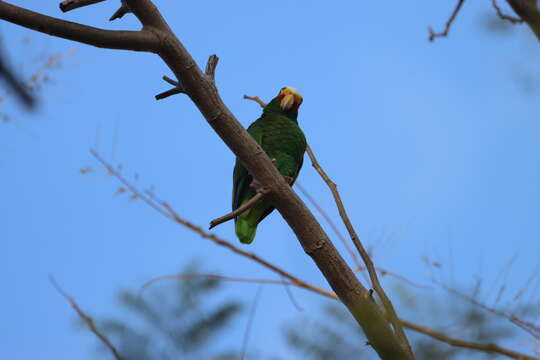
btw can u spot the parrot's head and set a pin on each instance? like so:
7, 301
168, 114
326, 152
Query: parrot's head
290, 98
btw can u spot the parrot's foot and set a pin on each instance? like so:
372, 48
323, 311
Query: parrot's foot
274, 160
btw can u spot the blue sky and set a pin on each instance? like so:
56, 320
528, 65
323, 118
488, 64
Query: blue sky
434, 147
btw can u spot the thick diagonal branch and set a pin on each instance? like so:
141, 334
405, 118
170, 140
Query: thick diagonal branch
110, 39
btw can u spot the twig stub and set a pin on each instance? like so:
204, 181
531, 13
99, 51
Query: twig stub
211, 66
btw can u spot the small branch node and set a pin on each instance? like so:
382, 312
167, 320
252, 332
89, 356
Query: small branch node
177, 89
211, 66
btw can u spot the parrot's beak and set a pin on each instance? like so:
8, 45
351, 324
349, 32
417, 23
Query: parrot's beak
287, 101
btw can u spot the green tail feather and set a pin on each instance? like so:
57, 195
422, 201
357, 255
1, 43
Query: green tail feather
245, 231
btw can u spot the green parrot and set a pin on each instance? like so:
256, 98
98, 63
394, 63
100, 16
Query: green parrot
277, 132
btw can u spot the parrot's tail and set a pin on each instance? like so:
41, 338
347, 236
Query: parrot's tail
245, 230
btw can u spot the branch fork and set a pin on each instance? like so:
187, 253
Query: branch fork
179, 88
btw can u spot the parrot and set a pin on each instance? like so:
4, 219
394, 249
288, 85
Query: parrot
278, 134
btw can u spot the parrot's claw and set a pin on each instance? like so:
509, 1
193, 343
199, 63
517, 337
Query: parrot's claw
274, 160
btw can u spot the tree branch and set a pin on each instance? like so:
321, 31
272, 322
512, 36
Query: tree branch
503, 16
177, 89
87, 319
489, 348
110, 39
246, 206
68, 5
166, 210
529, 12
213, 276
433, 34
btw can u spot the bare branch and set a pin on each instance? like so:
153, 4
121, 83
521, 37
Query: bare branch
362, 251
528, 11
433, 34
87, 319
211, 67
243, 208
503, 16
489, 348
68, 5
213, 276
177, 89
110, 39
171, 92
532, 329
256, 99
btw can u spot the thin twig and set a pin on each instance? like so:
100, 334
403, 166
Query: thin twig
261, 193
177, 89
166, 210
527, 326
87, 319
391, 313
68, 5
213, 276
488, 348
503, 16
256, 99
433, 34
